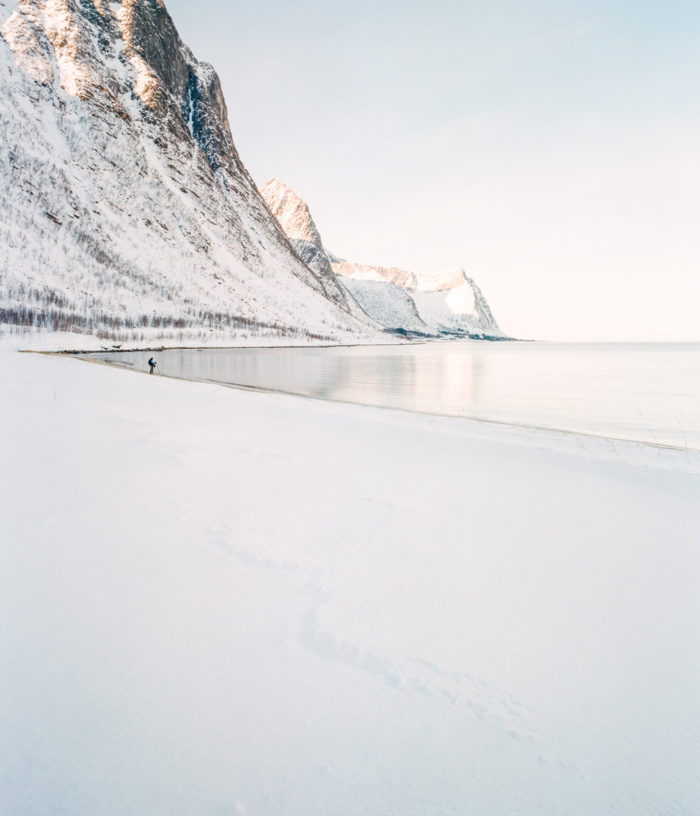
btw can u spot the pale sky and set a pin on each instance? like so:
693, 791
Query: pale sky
550, 148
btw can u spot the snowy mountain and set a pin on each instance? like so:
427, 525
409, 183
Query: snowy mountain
127, 211
295, 219
437, 304
447, 303
366, 272
452, 303
388, 304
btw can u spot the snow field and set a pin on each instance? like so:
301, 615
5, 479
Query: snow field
218, 601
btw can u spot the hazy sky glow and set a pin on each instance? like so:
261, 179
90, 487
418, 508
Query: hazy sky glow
551, 148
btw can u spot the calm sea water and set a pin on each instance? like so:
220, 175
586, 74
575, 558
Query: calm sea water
644, 392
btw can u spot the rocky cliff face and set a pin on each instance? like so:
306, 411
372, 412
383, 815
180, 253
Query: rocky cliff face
436, 304
447, 302
452, 303
126, 208
295, 219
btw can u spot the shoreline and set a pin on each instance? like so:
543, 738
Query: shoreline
86, 355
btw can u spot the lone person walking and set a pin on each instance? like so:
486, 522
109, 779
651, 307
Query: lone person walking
152, 363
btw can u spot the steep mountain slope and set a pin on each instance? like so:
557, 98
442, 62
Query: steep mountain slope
126, 208
388, 304
443, 303
295, 219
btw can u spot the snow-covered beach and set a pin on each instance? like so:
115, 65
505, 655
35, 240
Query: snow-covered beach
219, 601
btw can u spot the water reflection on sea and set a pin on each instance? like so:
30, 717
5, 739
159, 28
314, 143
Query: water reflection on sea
645, 392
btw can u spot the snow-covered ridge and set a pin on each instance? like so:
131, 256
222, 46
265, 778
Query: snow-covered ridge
447, 303
295, 219
347, 269
291, 212
388, 304
127, 211
441, 303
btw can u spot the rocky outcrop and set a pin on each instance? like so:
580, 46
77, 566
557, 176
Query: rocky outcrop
295, 219
127, 210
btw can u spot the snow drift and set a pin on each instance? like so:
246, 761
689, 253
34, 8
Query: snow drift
216, 601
